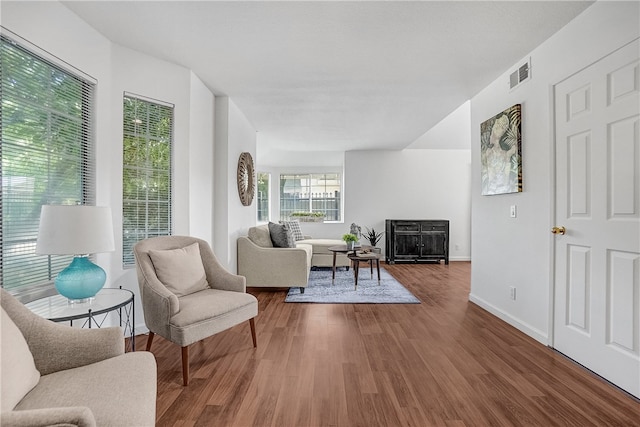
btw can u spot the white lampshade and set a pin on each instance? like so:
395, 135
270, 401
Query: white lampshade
74, 230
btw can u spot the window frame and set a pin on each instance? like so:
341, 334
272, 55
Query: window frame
313, 174
82, 143
127, 259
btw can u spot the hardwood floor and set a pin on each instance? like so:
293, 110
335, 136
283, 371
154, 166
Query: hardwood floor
444, 362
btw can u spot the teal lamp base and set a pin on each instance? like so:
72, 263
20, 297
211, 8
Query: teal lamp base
81, 280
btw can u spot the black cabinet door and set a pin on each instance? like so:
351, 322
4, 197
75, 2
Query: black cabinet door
407, 245
433, 243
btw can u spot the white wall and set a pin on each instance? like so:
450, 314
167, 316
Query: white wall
451, 133
201, 132
285, 159
411, 184
234, 135
517, 251
221, 177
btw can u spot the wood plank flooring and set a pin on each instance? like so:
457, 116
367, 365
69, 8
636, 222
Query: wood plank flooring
444, 362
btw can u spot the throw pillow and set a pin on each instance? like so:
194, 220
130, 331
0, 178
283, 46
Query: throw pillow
260, 236
294, 226
281, 236
17, 368
180, 270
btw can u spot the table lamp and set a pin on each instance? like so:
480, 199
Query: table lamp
77, 230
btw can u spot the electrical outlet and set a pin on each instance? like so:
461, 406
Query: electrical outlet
513, 212
512, 292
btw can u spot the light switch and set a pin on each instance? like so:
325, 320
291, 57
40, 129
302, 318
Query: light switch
513, 211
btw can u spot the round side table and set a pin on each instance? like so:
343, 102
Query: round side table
93, 312
369, 257
342, 249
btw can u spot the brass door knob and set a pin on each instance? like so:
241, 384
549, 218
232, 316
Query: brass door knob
559, 230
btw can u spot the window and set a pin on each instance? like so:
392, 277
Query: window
146, 172
263, 196
318, 192
47, 158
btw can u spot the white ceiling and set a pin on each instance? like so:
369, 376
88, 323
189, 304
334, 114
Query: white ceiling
336, 76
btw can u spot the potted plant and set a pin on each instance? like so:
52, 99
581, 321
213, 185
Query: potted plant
373, 237
305, 216
350, 240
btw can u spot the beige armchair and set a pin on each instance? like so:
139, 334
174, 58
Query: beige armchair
187, 295
266, 266
53, 374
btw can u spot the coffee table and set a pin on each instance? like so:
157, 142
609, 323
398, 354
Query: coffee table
342, 249
356, 258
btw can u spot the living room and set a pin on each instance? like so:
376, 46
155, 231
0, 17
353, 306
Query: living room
416, 182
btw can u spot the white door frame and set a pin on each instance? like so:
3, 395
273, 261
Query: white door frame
552, 193
553, 262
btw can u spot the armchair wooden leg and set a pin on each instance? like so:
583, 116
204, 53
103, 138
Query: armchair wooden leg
150, 340
252, 323
185, 366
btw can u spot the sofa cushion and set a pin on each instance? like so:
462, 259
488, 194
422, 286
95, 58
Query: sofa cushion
281, 236
208, 312
180, 270
294, 226
17, 368
321, 246
260, 236
119, 391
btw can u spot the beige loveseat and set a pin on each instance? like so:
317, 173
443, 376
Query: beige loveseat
53, 374
266, 266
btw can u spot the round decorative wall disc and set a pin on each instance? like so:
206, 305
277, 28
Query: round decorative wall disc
246, 179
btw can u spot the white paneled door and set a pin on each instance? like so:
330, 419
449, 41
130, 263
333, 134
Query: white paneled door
597, 230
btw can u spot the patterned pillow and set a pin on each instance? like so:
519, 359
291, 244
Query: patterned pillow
281, 236
294, 226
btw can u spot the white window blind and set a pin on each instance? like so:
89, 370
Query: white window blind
47, 157
146, 172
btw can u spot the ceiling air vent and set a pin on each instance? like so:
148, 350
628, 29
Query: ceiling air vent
521, 75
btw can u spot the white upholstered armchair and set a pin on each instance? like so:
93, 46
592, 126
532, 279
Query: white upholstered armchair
52, 374
187, 295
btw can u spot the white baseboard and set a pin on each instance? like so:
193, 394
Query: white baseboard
534, 333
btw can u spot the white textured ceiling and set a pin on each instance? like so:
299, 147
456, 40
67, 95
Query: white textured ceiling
335, 76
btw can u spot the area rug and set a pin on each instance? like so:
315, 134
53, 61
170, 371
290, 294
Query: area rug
320, 290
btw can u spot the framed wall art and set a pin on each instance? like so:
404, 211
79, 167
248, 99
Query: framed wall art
501, 152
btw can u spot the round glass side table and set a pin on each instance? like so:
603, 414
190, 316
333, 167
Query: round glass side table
93, 312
